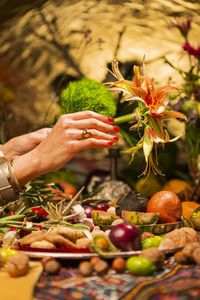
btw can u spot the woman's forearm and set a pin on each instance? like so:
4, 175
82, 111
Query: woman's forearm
26, 168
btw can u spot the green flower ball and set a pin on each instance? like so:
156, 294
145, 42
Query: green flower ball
87, 94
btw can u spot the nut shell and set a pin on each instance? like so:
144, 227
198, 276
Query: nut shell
101, 267
156, 256
196, 256
85, 268
189, 249
52, 266
17, 265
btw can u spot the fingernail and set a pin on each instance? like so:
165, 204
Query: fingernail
116, 128
116, 138
111, 120
110, 143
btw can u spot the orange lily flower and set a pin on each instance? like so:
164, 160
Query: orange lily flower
151, 111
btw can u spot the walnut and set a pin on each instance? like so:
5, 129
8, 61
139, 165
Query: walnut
189, 249
196, 256
178, 238
154, 255
181, 258
166, 244
17, 265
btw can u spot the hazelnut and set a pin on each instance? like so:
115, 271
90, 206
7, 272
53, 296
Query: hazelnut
45, 260
94, 260
119, 264
52, 266
85, 268
101, 267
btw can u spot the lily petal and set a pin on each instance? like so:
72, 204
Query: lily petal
158, 111
125, 85
124, 90
156, 139
137, 78
116, 71
173, 114
176, 138
133, 149
136, 99
156, 126
147, 144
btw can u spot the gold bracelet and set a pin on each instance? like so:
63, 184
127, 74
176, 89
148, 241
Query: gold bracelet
6, 190
2, 157
14, 175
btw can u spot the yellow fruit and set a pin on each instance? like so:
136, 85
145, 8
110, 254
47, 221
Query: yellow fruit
102, 242
182, 188
6, 253
148, 186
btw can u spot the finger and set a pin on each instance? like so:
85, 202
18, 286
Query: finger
92, 123
87, 114
43, 132
77, 134
90, 143
39, 135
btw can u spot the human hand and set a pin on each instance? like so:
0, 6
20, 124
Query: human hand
63, 142
20, 145
66, 139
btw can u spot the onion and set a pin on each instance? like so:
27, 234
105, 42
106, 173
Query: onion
126, 237
88, 210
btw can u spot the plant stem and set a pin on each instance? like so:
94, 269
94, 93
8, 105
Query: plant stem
125, 118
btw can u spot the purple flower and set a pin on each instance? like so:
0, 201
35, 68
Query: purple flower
191, 50
183, 26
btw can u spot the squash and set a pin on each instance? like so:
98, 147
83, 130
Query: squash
140, 218
102, 218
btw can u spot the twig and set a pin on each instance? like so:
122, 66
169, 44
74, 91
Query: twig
67, 208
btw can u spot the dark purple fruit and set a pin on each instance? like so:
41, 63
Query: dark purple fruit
131, 201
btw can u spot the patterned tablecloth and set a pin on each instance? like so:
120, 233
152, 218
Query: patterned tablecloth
172, 282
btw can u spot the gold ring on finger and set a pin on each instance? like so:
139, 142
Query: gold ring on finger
86, 134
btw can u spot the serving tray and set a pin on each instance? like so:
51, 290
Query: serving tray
79, 254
